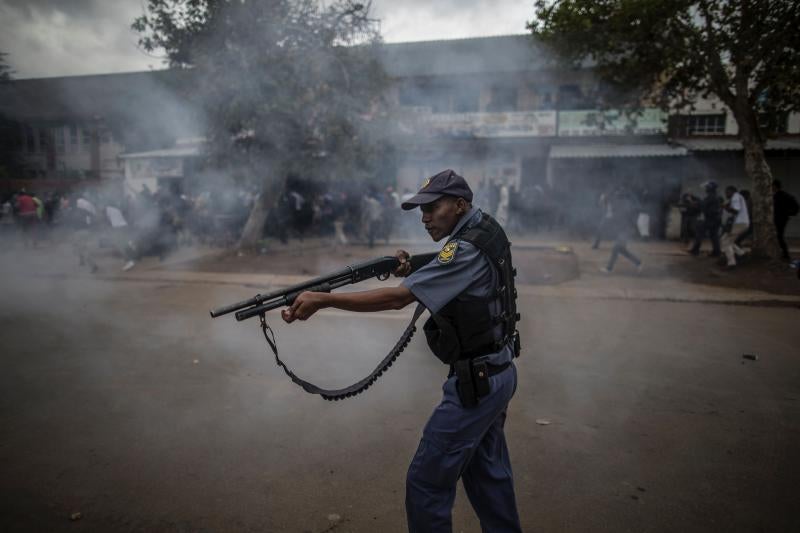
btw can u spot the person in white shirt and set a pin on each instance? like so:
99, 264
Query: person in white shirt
502, 206
737, 207
115, 217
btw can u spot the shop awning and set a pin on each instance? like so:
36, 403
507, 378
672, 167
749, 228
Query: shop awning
178, 151
723, 145
584, 151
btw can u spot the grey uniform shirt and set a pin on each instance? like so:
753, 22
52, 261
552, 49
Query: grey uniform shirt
469, 274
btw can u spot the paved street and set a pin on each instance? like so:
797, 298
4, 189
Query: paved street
122, 400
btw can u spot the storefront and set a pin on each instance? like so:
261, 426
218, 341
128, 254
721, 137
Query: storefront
161, 169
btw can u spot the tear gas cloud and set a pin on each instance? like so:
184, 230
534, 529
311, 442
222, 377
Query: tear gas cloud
152, 110
118, 383
547, 203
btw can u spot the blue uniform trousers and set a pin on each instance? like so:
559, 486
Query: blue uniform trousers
467, 444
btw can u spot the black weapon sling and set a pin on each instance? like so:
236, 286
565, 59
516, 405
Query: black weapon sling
355, 388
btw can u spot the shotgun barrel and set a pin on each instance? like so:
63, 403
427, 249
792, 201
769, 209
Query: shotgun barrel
259, 304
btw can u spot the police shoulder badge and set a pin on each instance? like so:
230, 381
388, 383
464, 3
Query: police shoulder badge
448, 253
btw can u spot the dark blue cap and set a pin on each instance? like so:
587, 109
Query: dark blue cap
444, 183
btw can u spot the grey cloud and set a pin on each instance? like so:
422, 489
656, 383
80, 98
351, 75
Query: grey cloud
72, 37
68, 7
55, 38
415, 20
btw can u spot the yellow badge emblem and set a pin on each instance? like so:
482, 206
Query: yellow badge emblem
426, 183
448, 253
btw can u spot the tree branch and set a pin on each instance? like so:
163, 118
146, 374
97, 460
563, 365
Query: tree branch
719, 77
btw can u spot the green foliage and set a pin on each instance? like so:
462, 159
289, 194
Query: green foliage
285, 84
673, 51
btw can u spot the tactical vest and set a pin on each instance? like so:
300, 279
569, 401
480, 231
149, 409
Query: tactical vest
465, 327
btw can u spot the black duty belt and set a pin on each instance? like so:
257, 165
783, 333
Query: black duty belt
493, 370
472, 379
496, 369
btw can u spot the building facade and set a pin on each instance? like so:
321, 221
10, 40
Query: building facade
497, 111
72, 131
493, 108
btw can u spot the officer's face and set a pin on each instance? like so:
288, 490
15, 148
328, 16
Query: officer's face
441, 216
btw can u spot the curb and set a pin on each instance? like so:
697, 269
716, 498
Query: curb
272, 281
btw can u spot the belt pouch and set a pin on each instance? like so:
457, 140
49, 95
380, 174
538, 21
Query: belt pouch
464, 384
480, 377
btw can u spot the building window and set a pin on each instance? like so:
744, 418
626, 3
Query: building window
502, 99
466, 99
86, 140
543, 97
408, 95
73, 138
706, 124
44, 139
570, 98
58, 133
30, 139
773, 123
438, 99
435, 97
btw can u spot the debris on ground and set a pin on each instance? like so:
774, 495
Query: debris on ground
75, 516
750, 357
333, 517
543, 421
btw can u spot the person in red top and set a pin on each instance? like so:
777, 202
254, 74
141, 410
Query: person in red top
26, 215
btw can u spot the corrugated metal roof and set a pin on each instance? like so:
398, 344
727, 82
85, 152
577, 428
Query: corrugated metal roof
504, 53
730, 144
583, 151
783, 144
151, 93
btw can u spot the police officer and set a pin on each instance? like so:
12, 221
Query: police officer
712, 220
469, 291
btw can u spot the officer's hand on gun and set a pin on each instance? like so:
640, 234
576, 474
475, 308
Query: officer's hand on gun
306, 304
405, 264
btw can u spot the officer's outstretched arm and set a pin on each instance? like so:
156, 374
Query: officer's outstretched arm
384, 299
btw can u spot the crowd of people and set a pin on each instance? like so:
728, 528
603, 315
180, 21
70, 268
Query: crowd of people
726, 221
132, 225
147, 223
344, 211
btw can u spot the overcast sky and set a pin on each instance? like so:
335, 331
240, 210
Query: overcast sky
63, 37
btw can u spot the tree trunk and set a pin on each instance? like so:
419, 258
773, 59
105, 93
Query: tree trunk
254, 227
765, 237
